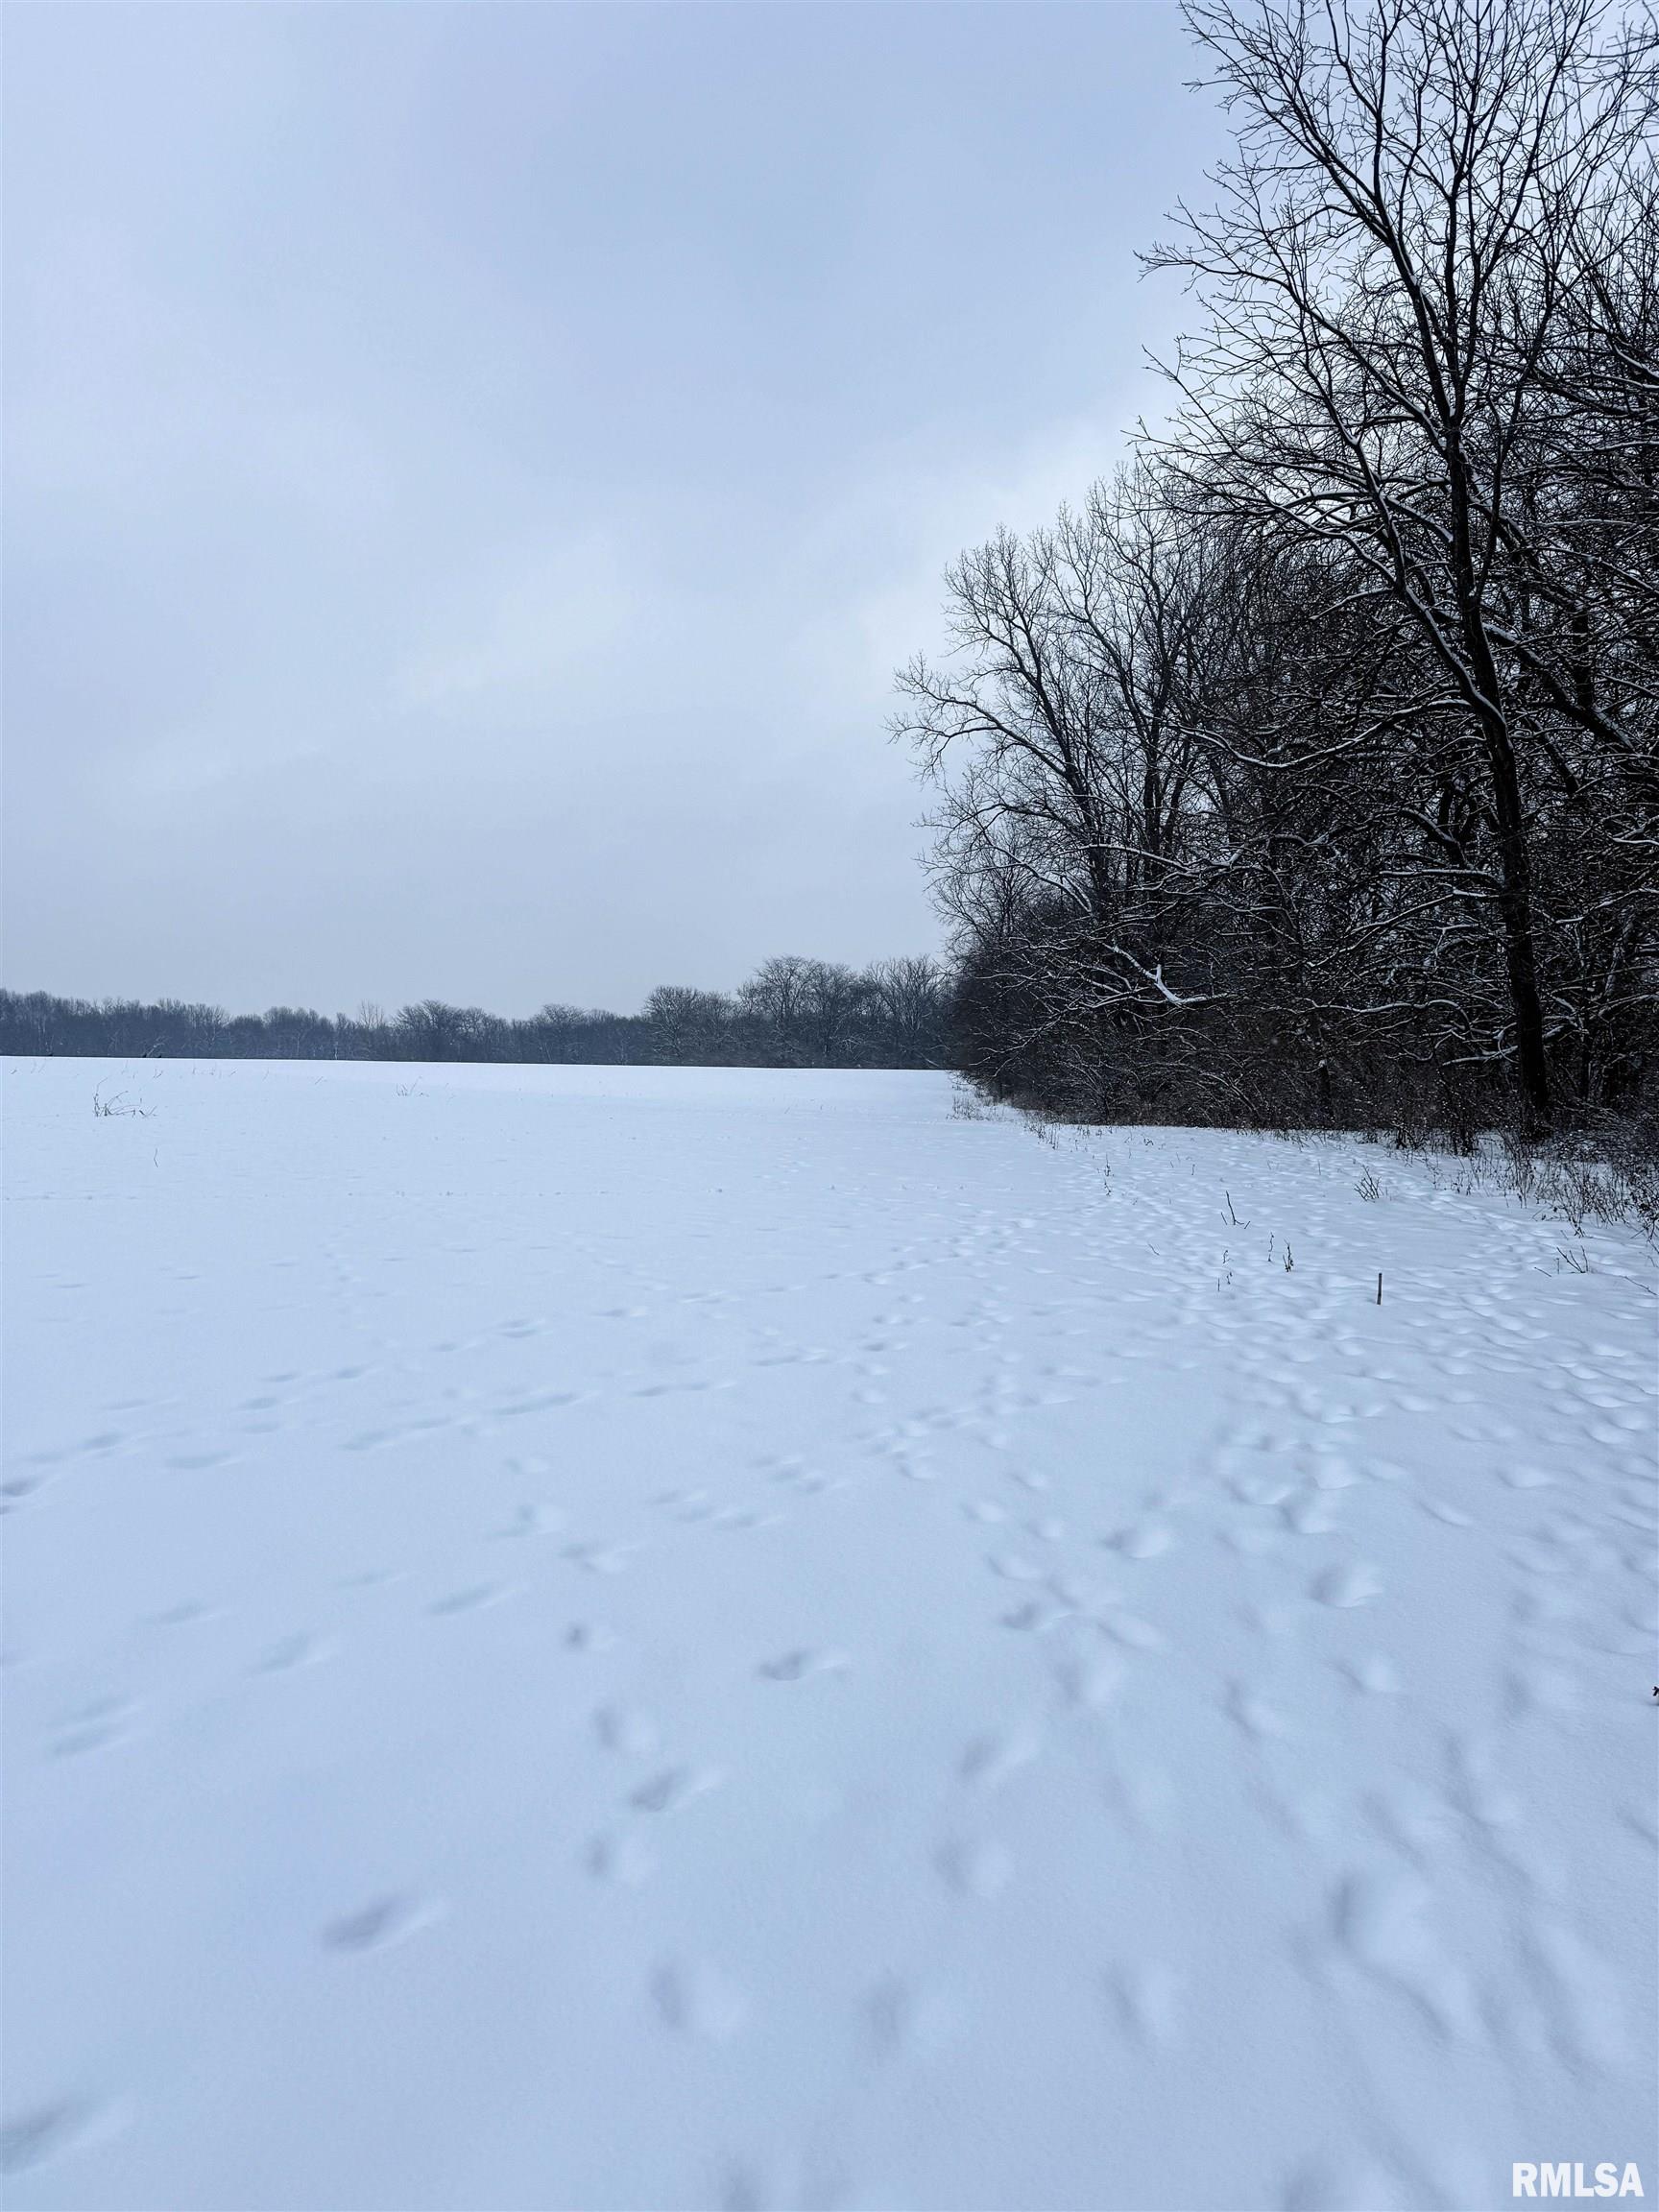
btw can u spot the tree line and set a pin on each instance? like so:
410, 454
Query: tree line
791, 1013
1308, 770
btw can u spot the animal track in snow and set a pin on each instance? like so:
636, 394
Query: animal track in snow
624, 1729
474, 1598
797, 1666
590, 1636
53, 2131
1309, 1515
1343, 1587
1381, 1923
1132, 1632
1036, 1614
696, 1998
380, 1923
1452, 1516
94, 1727
601, 1559
973, 1868
623, 1858
676, 1787
1259, 1720
299, 1650
1147, 1999
989, 1760
533, 1519
1089, 1684
1147, 1540
539, 1401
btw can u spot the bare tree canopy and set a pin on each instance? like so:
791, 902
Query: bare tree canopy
1321, 751
791, 1013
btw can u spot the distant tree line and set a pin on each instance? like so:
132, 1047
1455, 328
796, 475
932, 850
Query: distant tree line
791, 1013
1308, 770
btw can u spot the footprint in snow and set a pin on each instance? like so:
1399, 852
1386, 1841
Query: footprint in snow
380, 1924
94, 1727
535, 1520
1089, 1684
797, 1666
1347, 1586
1261, 1721
1374, 1675
1132, 1632
740, 1517
1253, 1490
624, 1729
51, 2131
898, 2017
989, 1760
472, 1599
1036, 1616
698, 2000
972, 1868
1384, 1925
1147, 2000
622, 1859
1528, 1478
538, 1402
1340, 1474
676, 1787
600, 1558
1309, 1514
301, 1650
889, 2011
1146, 1541
590, 1636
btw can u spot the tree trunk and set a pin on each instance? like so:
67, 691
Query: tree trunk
1515, 910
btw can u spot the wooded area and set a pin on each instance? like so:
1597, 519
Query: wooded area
791, 1013
1307, 771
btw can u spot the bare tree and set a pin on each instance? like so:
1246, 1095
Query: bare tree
688, 1025
910, 994
776, 996
1386, 274
833, 999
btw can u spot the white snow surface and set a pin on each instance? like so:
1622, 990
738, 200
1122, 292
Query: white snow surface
655, 1638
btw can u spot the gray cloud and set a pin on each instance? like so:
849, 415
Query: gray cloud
469, 471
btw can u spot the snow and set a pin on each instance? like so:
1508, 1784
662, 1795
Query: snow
658, 1638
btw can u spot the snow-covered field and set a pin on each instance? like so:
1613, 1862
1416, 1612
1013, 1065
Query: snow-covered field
647, 1638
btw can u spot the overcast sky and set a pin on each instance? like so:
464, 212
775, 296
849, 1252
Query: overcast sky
471, 469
